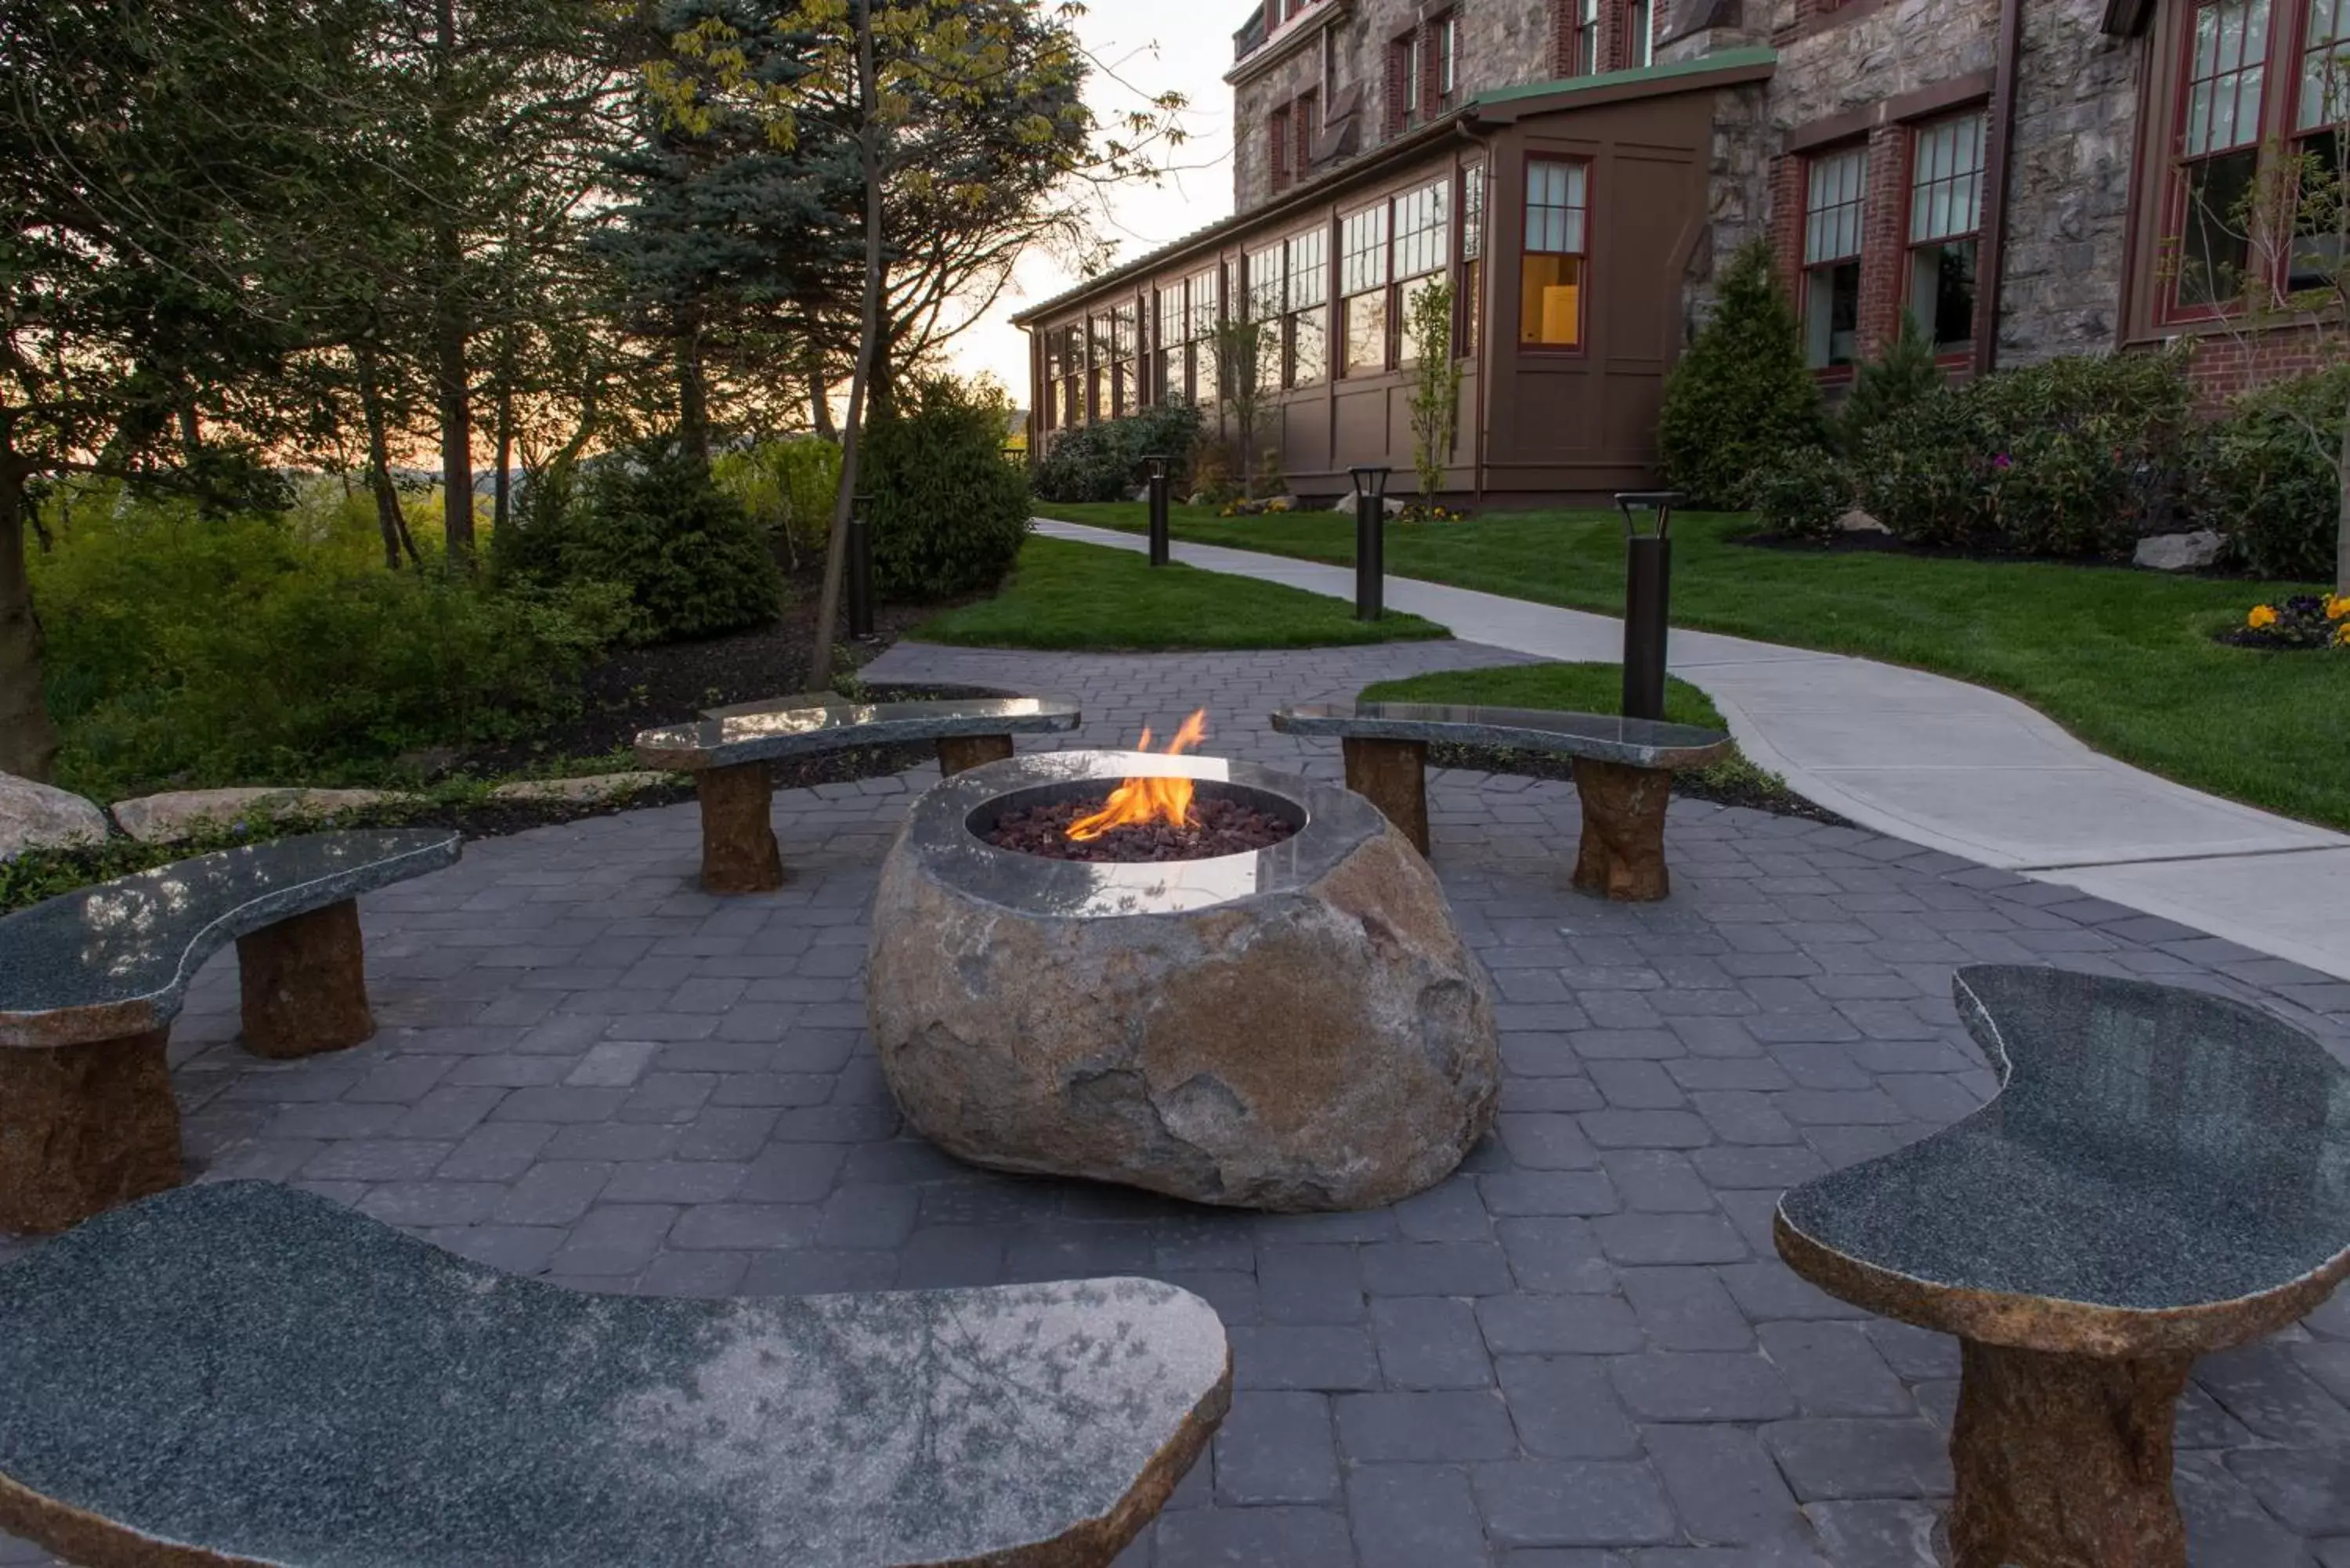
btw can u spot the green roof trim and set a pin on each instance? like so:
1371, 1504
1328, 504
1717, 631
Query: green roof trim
1726, 59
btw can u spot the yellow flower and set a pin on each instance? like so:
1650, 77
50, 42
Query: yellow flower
2261, 617
2342, 635
2337, 607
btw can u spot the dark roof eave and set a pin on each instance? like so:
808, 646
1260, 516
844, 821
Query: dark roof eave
1730, 69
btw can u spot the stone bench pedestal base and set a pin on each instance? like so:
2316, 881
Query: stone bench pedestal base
2065, 1461
84, 1127
304, 984
1622, 851
957, 753
739, 853
1393, 777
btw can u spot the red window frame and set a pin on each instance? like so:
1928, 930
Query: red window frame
2245, 132
1580, 250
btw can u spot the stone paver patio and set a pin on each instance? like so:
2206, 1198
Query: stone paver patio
1580, 1352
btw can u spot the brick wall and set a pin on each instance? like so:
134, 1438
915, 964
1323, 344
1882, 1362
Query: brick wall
1883, 238
2226, 364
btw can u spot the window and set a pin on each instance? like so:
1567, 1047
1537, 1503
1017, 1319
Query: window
1307, 321
1363, 291
1587, 39
1420, 257
1306, 120
1447, 44
1049, 346
1265, 270
2219, 149
2322, 104
1276, 138
1073, 374
1551, 275
1832, 256
1403, 81
1168, 379
1946, 169
1466, 317
1126, 349
1639, 34
1103, 404
1203, 315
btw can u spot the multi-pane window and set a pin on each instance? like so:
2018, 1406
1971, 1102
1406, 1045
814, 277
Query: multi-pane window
1551, 274
1832, 210
1170, 379
1640, 34
1421, 243
1103, 404
1073, 374
2220, 148
1049, 345
1203, 317
2325, 96
1472, 259
1307, 318
1266, 270
1946, 174
1277, 146
1586, 38
2321, 107
1363, 290
1126, 350
1448, 46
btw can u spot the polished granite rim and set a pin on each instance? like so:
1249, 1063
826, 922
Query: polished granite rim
2052, 1320
1603, 737
798, 731
939, 835
66, 978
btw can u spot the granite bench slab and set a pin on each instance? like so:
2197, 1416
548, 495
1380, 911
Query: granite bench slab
241, 1372
1623, 771
2163, 1173
90, 980
728, 755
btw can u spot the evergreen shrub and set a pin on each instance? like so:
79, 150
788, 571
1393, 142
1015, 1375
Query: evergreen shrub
1741, 396
949, 508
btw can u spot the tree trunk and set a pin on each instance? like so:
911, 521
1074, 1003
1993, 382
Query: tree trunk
2342, 512
819, 391
693, 390
868, 160
389, 519
452, 386
501, 486
28, 741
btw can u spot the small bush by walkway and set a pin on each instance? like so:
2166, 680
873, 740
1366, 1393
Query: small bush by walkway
1083, 596
1578, 687
2125, 659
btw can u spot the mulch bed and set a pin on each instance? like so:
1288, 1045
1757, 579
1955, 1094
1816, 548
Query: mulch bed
1213, 828
1689, 785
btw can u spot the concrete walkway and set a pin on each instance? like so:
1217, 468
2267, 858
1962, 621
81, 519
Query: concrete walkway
1934, 761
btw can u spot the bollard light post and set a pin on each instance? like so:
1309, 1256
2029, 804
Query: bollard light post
1647, 595
860, 568
1157, 478
1370, 541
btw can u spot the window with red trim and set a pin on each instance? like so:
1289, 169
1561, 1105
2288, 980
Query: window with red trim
1557, 251
1639, 34
1277, 143
1835, 187
2219, 150
1946, 172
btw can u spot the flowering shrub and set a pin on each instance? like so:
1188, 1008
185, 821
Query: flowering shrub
1430, 512
2305, 620
1801, 495
1278, 505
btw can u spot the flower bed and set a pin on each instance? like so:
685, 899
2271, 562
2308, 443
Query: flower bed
2305, 620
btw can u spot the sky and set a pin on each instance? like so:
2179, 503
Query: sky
1155, 46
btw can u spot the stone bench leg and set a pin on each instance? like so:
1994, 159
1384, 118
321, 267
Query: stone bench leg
304, 984
2064, 1460
83, 1129
957, 753
1393, 777
739, 853
1622, 855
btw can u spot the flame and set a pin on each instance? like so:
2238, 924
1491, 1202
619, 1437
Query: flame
1152, 798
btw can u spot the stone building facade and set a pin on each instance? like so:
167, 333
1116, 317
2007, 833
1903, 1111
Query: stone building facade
2018, 179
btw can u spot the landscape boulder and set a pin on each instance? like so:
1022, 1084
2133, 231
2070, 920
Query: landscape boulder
40, 816
2181, 552
178, 815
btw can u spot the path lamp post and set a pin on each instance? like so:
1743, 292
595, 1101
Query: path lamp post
1157, 478
1370, 541
1647, 592
860, 568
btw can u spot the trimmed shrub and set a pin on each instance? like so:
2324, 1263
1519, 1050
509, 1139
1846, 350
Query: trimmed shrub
647, 518
949, 508
2077, 457
1099, 462
2268, 479
1740, 397
786, 487
1801, 495
1901, 377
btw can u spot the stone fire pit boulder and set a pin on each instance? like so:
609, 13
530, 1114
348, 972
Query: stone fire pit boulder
1295, 1029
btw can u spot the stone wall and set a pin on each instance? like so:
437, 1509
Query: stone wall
2068, 185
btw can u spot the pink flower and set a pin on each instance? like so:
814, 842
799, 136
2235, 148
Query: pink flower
1999, 461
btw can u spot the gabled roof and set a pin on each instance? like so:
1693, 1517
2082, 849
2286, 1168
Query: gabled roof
1499, 106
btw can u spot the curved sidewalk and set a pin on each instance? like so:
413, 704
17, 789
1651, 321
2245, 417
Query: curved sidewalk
1938, 762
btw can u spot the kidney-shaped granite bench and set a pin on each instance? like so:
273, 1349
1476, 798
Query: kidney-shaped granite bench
243, 1374
2163, 1173
729, 756
90, 980
1623, 773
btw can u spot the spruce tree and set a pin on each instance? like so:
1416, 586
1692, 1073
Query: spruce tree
1903, 375
1741, 396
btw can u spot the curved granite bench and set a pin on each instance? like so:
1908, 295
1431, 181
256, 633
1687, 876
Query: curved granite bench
1623, 773
90, 980
244, 1374
728, 756
2162, 1173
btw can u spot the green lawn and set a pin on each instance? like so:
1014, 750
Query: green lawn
1589, 689
2123, 658
1083, 596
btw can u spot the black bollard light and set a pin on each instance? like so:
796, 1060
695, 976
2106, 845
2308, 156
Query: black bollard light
1370, 541
860, 568
1647, 595
1158, 479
